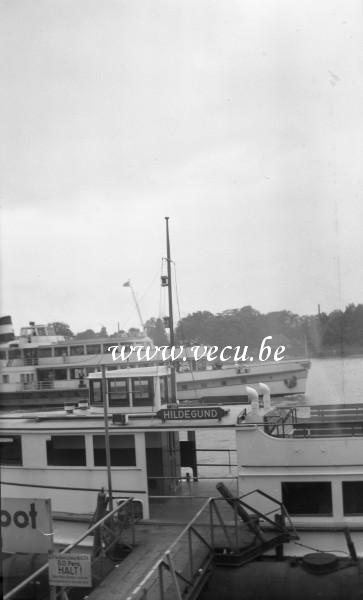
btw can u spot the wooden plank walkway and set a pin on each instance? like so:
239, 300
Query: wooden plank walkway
153, 539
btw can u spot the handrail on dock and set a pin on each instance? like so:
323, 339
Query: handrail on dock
184, 567
125, 505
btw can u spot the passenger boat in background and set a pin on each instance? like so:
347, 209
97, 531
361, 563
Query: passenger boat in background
41, 369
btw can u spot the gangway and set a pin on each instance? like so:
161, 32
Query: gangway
215, 536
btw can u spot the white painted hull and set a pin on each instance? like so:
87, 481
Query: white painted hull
228, 385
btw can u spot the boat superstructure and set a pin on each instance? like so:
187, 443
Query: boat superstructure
302, 461
309, 458
306, 457
62, 454
40, 369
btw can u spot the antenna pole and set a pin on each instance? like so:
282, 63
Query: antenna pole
171, 320
107, 435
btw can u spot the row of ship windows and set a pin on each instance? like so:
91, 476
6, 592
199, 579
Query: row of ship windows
300, 498
60, 374
49, 351
70, 451
208, 384
314, 498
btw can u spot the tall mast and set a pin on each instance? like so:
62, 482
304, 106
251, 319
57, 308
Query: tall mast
171, 320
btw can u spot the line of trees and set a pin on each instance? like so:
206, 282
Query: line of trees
337, 333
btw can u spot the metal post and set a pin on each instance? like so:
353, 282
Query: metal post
236, 524
133, 522
161, 582
173, 575
211, 521
107, 436
190, 553
171, 319
52, 592
194, 465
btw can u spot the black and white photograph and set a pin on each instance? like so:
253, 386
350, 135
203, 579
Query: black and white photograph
181, 304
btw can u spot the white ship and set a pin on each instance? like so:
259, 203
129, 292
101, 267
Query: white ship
41, 369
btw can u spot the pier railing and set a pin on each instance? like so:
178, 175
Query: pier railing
112, 537
220, 532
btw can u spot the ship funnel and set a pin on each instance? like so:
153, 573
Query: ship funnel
6, 330
265, 391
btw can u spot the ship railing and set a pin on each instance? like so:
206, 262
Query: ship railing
113, 534
325, 429
216, 533
280, 423
281, 520
37, 385
323, 421
183, 567
31, 361
51, 384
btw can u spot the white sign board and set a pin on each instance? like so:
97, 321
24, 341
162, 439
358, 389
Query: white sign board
70, 570
26, 525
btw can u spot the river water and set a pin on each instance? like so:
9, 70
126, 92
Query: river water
335, 381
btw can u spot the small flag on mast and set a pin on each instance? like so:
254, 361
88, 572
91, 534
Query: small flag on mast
126, 284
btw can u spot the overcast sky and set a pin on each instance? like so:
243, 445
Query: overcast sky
241, 120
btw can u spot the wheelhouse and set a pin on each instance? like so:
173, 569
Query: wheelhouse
133, 390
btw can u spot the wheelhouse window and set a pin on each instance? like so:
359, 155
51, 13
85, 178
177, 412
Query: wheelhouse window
164, 389
66, 450
95, 391
142, 391
352, 498
122, 450
117, 392
307, 498
10, 450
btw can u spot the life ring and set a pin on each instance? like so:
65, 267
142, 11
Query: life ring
291, 383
